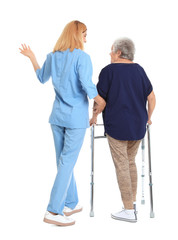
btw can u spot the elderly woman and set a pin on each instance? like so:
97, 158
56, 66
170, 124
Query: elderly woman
126, 88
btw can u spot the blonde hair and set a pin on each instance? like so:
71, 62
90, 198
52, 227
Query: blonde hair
71, 37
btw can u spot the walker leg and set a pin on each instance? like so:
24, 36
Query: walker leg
143, 170
152, 215
92, 169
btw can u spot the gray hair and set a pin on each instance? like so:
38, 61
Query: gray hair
126, 46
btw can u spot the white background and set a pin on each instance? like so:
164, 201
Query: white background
27, 155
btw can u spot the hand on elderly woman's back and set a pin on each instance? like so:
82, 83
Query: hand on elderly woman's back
98, 108
99, 104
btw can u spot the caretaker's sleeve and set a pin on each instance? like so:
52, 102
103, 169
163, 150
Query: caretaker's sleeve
44, 73
85, 72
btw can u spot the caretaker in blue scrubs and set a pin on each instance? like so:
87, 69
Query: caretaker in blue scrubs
71, 71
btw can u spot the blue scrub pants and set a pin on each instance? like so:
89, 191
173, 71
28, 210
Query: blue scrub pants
68, 143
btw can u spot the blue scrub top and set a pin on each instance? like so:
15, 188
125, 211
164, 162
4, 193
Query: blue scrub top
125, 87
71, 74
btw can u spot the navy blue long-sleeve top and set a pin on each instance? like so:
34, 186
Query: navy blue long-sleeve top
125, 87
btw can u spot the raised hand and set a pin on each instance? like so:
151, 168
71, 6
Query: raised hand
26, 51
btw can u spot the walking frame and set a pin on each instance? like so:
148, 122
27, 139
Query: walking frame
93, 137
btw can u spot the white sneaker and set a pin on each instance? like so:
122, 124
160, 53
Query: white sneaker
58, 219
68, 211
125, 215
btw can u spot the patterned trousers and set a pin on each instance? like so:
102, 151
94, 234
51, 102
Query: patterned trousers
123, 154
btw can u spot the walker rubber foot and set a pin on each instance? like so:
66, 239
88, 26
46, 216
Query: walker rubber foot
152, 215
91, 214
